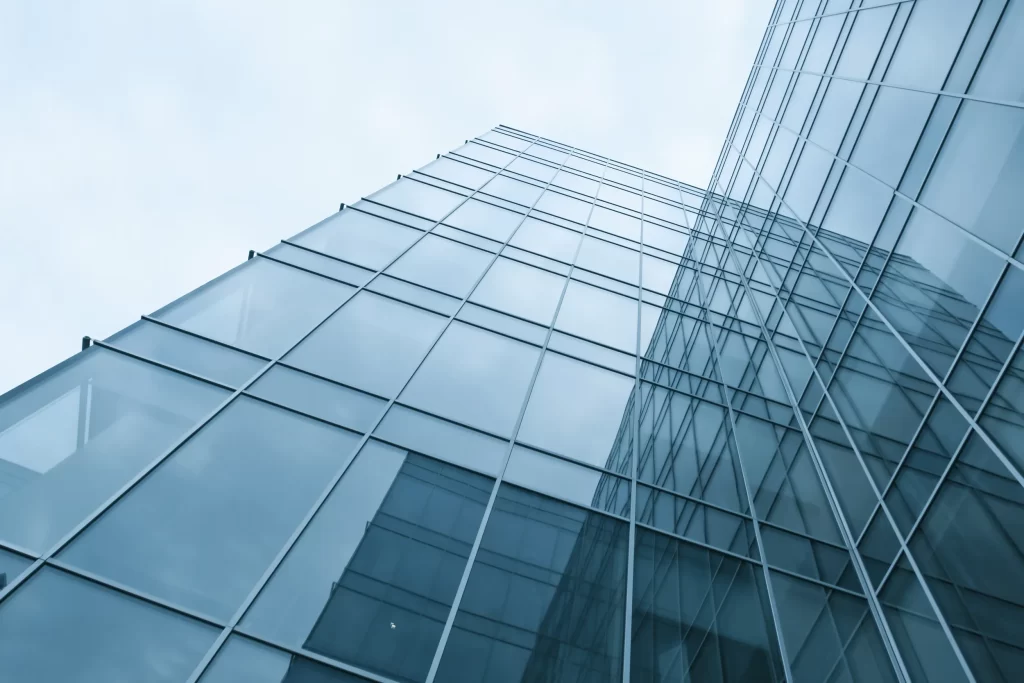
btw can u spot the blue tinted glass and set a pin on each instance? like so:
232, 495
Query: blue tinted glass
60, 628
71, 439
442, 439
248, 479
484, 153
418, 199
568, 480
318, 263
547, 239
577, 409
616, 223
318, 397
599, 315
521, 290
609, 259
188, 353
360, 238
263, 307
563, 206
442, 264
545, 598
371, 580
372, 343
513, 190
474, 377
457, 172
485, 219
11, 566
242, 659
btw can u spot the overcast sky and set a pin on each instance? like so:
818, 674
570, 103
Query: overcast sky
145, 147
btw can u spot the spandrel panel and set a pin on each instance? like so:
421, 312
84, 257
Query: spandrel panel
57, 627
371, 579
188, 353
578, 410
441, 264
71, 439
474, 377
248, 478
418, 199
545, 597
373, 343
360, 238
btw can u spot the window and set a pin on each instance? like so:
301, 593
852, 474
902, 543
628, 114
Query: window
359, 238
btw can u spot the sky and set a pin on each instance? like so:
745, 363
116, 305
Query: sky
145, 147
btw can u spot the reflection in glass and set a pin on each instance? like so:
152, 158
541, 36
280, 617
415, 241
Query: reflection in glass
359, 238
545, 596
442, 264
371, 580
418, 198
485, 219
72, 438
248, 478
245, 660
521, 290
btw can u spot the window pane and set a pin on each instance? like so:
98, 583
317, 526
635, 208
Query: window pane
521, 290
318, 263
457, 172
485, 219
577, 183
609, 259
443, 440
418, 198
360, 238
565, 207
188, 353
71, 439
578, 410
371, 580
11, 566
60, 628
242, 659
532, 169
616, 223
488, 155
263, 307
372, 343
567, 480
599, 315
546, 239
444, 265
513, 190
248, 479
545, 597
318, 397
474, 377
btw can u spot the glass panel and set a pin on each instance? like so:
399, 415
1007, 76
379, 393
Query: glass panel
71, 438
665, 238
578, 410
318, 397
545, 597
242, 659
248, 478
609, 259
566, 480
318, 263
658, 274
891, 132
360, 238
414, 294
60, 628
513, 190
442, 264
486, 154
485, 219
262, 306
418, 198
566, 207
372, 578
699, 616
521, 290
599, 315
372, 343
457, 172
930, 43
547, 239
443, 440
474, 377
615, 223
532, 169
505, 324
11, 566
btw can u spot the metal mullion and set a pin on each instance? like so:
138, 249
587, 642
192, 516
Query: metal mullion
731, 435
161, 364
854, 552
924, 366
841, 12
163, 323
460, 591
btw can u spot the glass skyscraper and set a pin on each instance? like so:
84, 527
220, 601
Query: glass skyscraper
533, 414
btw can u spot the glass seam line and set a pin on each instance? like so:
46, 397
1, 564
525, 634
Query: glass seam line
845, 531
924, 366
840, 13
453, 611
940, 617
153, 464
318, 504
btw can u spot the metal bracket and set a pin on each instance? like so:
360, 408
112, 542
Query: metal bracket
251, 254
86, 342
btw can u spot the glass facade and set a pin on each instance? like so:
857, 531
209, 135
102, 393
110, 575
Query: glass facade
533, 414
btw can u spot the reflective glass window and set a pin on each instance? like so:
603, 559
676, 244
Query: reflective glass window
563, 206
318, 397
58, 627
188, 353
578, 410
372, 578
443, 440
891, 132
457, 172
504, 140
360, 238
864, 41
658, 274
665, 239
547, 239
609, 259
373, 343
858, 206
521, 290
248, 478
667, 212
70, 439
485, 219
930, 43
318, 263
242, 659
513, 190
545, 598
576, 183
474, 376
617, 195
484, 153
262, 306
532, 169
442, 264
418, 198
568, 480
599, 315
616, 223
